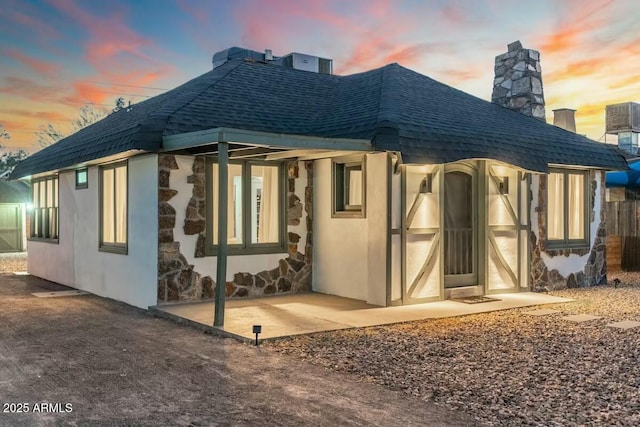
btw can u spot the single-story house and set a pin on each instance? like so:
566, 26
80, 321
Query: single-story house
384, 186
14, 198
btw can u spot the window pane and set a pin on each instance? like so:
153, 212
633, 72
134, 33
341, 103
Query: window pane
36, 194
339, 186
55, 192
43, 201
234, 212
264, 204
555, 209
50, 193
576, 206
108, 226
353, 181
81, 177
53, 223
121, 204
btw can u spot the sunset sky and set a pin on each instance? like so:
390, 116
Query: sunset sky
57, 55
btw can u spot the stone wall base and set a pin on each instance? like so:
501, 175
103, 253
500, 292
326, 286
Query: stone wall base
595, 270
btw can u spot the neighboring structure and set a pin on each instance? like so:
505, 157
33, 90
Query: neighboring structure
14, 197
623, 120
384, 186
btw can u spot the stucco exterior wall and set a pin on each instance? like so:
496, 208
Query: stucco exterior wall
349, 257
558, 269
76, 261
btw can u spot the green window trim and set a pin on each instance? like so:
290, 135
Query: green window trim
341, 169
82, 178
113, 247
246, 247
44, 218
566, 242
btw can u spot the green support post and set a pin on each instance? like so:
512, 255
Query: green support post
223, 198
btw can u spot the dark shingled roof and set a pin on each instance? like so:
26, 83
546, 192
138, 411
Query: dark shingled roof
395, 108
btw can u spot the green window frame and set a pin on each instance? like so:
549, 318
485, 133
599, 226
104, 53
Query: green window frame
44, 219
348, 190
244, 210
114, 207
567, 210
82, 178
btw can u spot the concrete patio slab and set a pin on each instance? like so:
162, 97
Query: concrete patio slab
286, 315
579, 318
625, 324
541, 312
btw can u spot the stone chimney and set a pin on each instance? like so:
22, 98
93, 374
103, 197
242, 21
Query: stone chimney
518, 81
565, 118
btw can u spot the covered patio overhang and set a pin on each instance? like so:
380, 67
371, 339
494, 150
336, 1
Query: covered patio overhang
296, 314
263, 145
228, 144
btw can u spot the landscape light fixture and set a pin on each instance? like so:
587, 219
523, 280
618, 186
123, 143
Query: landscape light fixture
257, 329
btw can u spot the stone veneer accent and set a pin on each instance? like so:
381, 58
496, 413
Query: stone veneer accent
177, 280
594, 273
518, 81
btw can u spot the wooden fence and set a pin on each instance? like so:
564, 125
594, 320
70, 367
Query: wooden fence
623, 235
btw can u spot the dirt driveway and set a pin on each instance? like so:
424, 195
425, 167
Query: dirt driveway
112, 364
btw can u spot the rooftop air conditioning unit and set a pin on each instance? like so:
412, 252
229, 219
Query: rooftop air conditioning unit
623, 117
300, 61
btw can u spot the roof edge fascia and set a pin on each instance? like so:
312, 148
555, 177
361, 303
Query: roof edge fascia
261, 139
585, 167
95, 162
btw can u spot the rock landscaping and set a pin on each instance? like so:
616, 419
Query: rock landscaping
13, 261
506, 367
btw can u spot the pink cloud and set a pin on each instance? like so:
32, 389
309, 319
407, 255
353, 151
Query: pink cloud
578, 22
194, 10
16, 14
117, 53
41, 67
29, 89
49, 116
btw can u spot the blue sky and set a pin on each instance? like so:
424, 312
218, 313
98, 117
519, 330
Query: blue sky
57, 55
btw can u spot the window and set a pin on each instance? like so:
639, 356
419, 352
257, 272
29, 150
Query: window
113, 208
82, 179
255, 210
567, 202
44, 220
348, 188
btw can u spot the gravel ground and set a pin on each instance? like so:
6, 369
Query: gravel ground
504, 368
13, 261
108, 364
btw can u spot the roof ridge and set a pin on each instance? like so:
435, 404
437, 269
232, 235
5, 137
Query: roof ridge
156, 121
386, 92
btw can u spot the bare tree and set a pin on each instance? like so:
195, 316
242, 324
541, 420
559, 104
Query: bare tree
9, 160
119, 104
3, 133
49, 134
